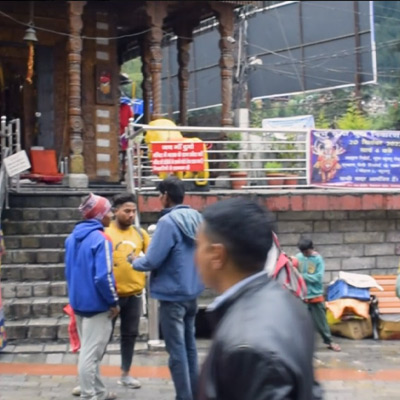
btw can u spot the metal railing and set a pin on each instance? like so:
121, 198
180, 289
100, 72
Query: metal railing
270, 158
10, 143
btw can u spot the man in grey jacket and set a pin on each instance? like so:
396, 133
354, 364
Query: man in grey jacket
174, 281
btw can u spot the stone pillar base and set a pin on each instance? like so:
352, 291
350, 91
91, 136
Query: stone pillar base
78, 181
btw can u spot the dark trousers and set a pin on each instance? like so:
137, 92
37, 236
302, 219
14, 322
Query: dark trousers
131, 309
318, 315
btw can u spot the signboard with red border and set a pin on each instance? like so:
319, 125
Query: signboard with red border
177, 156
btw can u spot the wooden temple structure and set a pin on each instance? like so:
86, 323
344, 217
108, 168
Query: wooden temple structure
72, 104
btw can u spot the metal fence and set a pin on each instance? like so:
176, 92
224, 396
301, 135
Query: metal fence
10, 143
267, 158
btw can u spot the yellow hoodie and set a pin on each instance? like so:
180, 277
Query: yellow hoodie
125, 242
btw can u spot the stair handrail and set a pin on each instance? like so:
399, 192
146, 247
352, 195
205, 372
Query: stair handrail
10, 143
4, 180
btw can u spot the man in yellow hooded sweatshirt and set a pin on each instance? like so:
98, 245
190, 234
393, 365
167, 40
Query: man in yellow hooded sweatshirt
127, 239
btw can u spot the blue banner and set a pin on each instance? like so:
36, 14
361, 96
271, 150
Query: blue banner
355, 158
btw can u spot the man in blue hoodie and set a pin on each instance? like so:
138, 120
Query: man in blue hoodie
175, 282
91, 290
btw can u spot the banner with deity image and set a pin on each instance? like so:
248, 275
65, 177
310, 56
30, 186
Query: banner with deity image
355, 158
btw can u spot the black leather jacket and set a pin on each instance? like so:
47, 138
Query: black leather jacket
262, 347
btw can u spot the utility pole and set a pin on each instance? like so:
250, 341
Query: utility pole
357, 77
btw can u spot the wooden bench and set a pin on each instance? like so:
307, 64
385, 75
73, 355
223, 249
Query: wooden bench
388, 305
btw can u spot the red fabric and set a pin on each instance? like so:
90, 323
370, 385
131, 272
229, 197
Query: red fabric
44, 162
72, 329
287, 274
44, 167
125, 112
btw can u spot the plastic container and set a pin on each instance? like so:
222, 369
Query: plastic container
340, 290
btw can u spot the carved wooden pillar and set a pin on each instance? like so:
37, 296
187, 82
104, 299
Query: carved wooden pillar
146, 83
184, 32
156, 11
74, 100
225, 17
156, 69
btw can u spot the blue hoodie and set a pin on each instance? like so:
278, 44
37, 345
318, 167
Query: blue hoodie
170, 256
88, 269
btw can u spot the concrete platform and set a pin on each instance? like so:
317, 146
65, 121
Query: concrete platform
364, 370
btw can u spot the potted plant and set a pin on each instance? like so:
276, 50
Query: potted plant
292, 178
234, 165
272, 169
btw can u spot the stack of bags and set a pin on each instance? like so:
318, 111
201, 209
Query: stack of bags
348, 303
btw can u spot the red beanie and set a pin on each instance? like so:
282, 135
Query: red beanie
96, 207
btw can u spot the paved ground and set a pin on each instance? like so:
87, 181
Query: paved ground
364, 370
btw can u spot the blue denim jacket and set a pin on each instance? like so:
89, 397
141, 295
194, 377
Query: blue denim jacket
170, 256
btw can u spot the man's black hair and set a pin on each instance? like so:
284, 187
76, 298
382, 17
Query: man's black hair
123, 198
244, 227
174, 187
305, 244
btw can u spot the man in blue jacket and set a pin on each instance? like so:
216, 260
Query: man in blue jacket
91, 290
174, 281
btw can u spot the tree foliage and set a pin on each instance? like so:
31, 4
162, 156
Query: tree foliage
353, 119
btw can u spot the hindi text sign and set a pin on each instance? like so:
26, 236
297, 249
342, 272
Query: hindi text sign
355, 158
177, 156
17, 163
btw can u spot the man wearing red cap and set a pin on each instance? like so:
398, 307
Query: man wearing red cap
91, 290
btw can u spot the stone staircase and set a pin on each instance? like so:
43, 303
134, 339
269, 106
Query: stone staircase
32, 273
33, 286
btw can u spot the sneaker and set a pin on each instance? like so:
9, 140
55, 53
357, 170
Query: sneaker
76, 391
129, 382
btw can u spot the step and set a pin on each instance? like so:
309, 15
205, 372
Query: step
39, 328
17, 290
32, 272
34, 256
40, 214
56, 197
54, 329
34, 307
37, 227
35, 241
46, 199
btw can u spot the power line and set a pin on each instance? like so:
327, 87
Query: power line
38, 28
325, 56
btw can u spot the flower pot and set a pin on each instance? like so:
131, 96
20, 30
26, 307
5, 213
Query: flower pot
291, 180
239, 183
275, 182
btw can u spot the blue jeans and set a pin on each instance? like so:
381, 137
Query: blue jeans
177, 321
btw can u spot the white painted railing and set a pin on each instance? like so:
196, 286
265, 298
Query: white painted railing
260, 153
10, 143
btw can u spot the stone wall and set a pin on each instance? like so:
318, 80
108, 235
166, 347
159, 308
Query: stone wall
356, 241
354, 231
366, 242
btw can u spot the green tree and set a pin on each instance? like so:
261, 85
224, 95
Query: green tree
353, 119
322, 122
133, 68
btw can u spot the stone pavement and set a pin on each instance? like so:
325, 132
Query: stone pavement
364, 370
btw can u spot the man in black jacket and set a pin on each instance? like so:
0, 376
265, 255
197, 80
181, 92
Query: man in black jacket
264, 339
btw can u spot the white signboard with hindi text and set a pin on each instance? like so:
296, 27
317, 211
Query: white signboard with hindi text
17, 163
